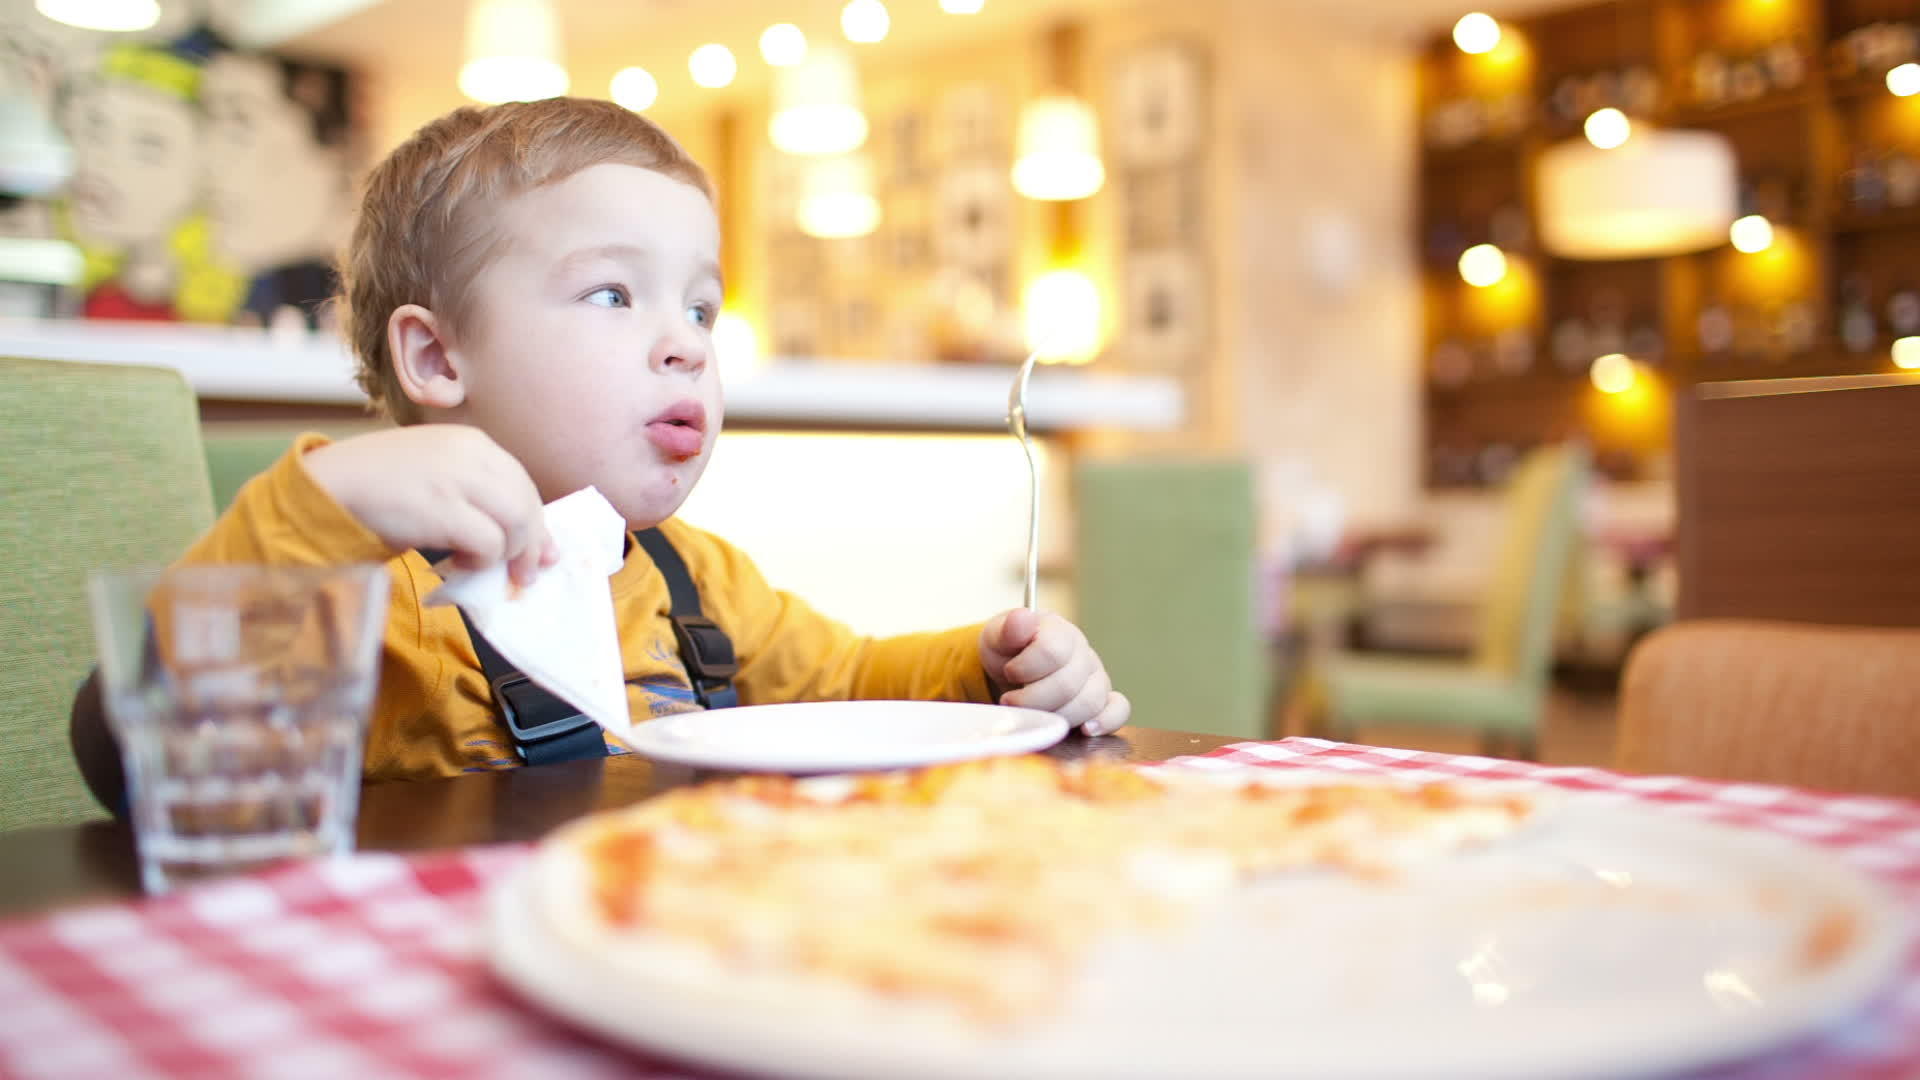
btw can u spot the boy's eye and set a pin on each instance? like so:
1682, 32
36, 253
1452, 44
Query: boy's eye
610, 296
701, 315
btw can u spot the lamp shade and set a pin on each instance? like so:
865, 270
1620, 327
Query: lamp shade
513, 52
1661, 193
837, 198
816, 105
1059, 150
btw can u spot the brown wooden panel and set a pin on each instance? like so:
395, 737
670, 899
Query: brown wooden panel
1799, 502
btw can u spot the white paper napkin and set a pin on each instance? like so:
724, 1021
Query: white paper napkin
559, 631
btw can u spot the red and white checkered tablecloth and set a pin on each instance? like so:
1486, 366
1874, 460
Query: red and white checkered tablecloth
371, 967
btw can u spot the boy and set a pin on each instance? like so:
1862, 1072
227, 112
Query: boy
530, 291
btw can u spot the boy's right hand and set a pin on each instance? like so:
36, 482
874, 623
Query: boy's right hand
440, 486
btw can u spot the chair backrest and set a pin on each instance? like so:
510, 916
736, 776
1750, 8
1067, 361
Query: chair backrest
1830, 707
101, 468
1518, 613
239, 450
1165, 588
1795, 501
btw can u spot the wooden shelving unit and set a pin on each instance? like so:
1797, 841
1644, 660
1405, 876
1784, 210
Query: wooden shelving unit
1825, 152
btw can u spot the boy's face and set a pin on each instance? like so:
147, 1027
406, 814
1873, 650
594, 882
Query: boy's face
588, 350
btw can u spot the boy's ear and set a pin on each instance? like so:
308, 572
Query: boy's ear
421, 361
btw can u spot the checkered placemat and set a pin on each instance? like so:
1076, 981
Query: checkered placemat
1880, 836
371, 967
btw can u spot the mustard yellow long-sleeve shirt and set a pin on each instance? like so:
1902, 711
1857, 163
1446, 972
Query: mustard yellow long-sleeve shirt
433, 713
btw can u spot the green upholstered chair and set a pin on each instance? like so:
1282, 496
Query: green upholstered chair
102, 469
1164, 586
239, 450
1500, 690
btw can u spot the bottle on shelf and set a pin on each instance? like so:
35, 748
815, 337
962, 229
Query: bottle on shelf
1509, 229
1646, 344
1748, 80
1714, 328
1866, 185
1901, 175
1711, 79
1786, 64
1903, 312
1858, 332
1799, 327
1513, 351
1572, 344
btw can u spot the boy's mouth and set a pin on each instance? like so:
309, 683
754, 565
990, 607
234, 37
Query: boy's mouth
680, 430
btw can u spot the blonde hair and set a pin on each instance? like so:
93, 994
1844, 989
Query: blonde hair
421, 235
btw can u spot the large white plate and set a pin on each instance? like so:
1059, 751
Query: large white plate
833, 736
1608, 942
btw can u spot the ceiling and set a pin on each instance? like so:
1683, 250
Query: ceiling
420, 41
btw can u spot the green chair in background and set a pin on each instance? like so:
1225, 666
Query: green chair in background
1164, 586
102, 469
1500, 690
239, 450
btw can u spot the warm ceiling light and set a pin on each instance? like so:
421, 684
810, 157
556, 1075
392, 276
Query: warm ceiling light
1904, 80
1062, 315
1906, 353
1663, 193
962, 7
634, 88
783, 45
1609, 128
816, 105
1482, 265
1476, 33
1751, 234
120, 16
513, 52
1059, 157
864, 21
712, 66
1613, 374
837, 199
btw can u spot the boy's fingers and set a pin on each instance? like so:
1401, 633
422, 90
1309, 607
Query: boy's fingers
1044, 654
1013, 631
1112, 718
476, 540
1059, 690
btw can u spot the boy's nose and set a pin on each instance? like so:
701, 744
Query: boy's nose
684, 353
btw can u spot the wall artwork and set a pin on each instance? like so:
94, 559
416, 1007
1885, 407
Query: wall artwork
209, 185
1157, 108
936, 277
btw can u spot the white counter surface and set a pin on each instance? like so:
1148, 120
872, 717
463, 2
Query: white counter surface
251, 365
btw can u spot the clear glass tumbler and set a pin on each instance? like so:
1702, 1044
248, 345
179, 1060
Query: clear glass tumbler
239, 697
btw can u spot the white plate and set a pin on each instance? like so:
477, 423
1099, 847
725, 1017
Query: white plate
835, 736
1612, 941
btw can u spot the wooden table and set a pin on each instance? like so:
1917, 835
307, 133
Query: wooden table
58, 865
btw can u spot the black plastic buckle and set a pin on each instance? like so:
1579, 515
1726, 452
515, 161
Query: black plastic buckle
707, 652
705, 648
514, 717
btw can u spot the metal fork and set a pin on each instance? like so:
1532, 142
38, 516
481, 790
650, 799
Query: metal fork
1017, 423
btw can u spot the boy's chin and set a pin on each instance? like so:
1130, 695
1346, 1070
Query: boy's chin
644, 510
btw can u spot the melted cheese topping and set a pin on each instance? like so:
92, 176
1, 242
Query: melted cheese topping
984, 883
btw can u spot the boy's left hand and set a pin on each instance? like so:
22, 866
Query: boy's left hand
1053, 668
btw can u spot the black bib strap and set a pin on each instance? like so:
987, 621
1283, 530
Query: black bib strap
545, 729
705, 649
